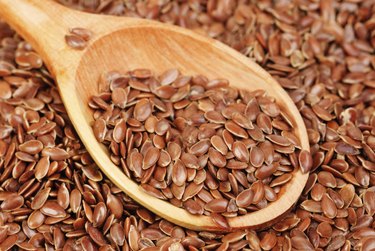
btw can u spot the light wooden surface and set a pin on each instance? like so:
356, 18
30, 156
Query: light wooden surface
126, 43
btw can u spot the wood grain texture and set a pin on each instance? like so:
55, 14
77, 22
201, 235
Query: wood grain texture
126, 43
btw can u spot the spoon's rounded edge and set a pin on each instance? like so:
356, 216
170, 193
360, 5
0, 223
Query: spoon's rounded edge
262, 218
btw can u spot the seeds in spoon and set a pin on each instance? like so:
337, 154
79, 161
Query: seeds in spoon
190, 137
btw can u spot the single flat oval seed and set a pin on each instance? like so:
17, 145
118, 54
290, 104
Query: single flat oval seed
279, 140
228, 139
252, 109
327, 179
234, 237
92, 172
150, 124
190, 160
179, 173
40, 198
292, 138
96, 235
5, 90
153, 191
136, 160
141, 73
305, 161
242, 121
328, 207
336, 243
63, 196
100, 214
245, 198
25, 157
217, 206
36, 219
87, 244
215, 117
269, 241
169, 76
268, 151
42, 167
256, 134
117, 234
240, 151
321, 112
12, 202
269, 193
236, 165
346, 149
264, 123
75, 200
142, 110
139, 86
219, 144
324, 229
119, 132
174, 150
256, 156
281, 180
146, 215
258, 190
165, 91
216, 158
114, 205
219, 220
191, 190
152, 234
177, 191
200, 148
82, 32
193, 207
36, 105
162, 127
312, 206
120, 97
58, 238
236, 130
55, 153
100, 129
151, 157
265, 171
75, 42
31, 147
53, 209
133, 238
164, 159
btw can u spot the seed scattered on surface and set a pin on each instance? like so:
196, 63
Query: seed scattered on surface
75, 42
78, 38
81, 32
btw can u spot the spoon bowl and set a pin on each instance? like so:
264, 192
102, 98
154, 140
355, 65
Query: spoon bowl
128, 43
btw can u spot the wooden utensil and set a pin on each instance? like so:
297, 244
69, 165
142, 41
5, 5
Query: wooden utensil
121, 43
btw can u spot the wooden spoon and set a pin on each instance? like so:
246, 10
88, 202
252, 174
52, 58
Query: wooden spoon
120, 43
